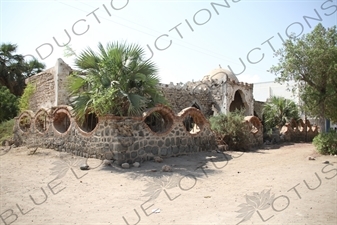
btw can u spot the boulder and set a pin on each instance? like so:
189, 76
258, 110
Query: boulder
166, 168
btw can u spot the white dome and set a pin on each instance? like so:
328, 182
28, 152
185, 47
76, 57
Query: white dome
220, 75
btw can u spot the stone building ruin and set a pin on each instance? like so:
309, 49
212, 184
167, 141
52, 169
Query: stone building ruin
218, 92
182, 129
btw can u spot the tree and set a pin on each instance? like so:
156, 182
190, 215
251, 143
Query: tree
277, 111
115, 80
14, 69
311, 61
8, 104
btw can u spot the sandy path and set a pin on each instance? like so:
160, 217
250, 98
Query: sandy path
204, 188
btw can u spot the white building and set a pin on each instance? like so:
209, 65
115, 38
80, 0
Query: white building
264, 90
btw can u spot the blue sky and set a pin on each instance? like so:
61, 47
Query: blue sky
223, 31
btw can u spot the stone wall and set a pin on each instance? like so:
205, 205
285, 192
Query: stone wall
44, 95
244, 90
181, 96
124, 139
50, 87
210, 96
159, 132
298, 131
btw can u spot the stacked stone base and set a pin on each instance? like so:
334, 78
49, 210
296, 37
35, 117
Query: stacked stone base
124, 139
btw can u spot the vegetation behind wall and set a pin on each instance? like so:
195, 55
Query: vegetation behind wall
231, 130
27, 94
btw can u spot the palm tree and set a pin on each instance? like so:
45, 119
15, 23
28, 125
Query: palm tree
277, 111
14, 69
115, 80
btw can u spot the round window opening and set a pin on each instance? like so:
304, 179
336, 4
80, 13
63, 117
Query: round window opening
61, 122
24, 123
159, 122
192, 124
254, 125
89, 123
42, 122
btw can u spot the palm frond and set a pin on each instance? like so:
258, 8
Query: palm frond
117, 81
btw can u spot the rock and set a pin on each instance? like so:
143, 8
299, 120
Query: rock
108, 162
153, 170
84, 167
326, 162
158, 159
136, 164
311, 158
149, 156
166, 168
126, 165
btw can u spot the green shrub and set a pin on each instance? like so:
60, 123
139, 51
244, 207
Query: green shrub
6, 130
27, 94
231, 130
326, 143
8, 104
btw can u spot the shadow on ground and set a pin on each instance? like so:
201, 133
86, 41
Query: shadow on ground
199, 164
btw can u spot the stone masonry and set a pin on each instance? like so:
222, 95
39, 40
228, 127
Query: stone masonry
180, 128
218, 92
50, 87
125, 139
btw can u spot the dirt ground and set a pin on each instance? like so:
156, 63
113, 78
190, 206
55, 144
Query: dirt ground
268, 186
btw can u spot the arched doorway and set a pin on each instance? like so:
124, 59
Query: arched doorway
237, 103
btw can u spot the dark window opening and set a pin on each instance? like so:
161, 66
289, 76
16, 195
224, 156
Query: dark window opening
191, 124
41, 122
61, 122
158, 122
90, 122
24, 123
